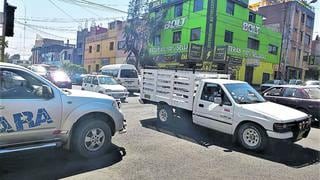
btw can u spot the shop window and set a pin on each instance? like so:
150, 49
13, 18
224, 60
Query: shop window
272, 49
198, 5
176, 37
156, 40
195, 34
228, 36
98, 48
178, 10
252, 17
230, 7
111, 46
253, 44
265, 77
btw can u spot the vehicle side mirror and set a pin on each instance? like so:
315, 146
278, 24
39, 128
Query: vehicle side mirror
47, 92
218, 100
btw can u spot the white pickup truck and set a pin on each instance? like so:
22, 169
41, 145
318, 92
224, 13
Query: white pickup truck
34, 113
232, 107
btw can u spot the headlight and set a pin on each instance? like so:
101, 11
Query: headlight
116, 104
281, 127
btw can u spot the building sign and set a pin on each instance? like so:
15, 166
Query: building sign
253, 62
176, 23
247, 53
251, 28
220, 54
195, 52
173, 49
105, 61
233, 61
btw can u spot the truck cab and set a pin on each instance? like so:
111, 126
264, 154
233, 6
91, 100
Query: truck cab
34, 113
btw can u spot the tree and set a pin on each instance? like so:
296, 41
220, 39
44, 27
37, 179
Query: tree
141, 28
73, 69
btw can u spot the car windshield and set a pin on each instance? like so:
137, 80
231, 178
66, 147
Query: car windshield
128, 73
243, 93
110, 72
314, 93
107, 80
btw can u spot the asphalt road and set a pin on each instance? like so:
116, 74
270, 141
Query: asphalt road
178, 150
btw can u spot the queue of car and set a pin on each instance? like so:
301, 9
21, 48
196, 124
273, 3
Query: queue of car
88, 120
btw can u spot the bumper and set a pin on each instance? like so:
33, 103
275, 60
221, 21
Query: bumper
124, 127
119, 95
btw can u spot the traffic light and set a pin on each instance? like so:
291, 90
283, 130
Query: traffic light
9, 19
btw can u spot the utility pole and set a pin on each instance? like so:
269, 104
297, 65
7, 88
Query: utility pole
3, 31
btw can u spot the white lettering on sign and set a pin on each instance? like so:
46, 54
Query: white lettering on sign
169, 49
252, 28
176, 23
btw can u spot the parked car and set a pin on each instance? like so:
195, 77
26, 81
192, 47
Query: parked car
126, 74
105, 85
60, 79
76, 79
305, 99
36, 114
295, 82
271, 83
312, 83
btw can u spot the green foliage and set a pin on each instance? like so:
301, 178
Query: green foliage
141, 29
73, 69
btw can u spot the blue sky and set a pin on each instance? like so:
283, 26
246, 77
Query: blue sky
45, 10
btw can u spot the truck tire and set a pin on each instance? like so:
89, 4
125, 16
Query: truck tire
91, 138
252, 137
164, 113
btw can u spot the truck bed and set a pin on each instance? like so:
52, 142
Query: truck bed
174, 87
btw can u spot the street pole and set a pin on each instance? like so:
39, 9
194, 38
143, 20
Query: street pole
3, 31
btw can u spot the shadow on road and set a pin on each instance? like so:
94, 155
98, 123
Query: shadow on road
53, 163
286, 153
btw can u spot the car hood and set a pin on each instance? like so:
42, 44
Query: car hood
275, 111
87, 94
116, 87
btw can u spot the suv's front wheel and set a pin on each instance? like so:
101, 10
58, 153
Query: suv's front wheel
92, 138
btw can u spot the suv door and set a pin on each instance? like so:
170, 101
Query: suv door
95, 84
214, 109
25, 113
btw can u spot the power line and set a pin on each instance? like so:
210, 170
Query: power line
64, 12
40, 31
63, 20
93, 5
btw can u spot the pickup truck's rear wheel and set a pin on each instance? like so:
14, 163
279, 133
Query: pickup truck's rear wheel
164, 113
92, 138
252, 137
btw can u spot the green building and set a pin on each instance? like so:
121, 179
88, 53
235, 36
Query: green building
216, 35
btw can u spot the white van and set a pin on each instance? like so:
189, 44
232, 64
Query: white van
126, 74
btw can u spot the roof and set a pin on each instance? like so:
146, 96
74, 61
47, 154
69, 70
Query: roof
223, 81
123, 66
10, 65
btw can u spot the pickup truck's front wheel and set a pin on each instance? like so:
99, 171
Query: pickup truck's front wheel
92, 138
252, 137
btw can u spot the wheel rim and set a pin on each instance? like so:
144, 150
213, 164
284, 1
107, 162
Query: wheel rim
163, 115
94, 139
251, 137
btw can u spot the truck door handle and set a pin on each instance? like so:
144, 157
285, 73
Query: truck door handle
201, 105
